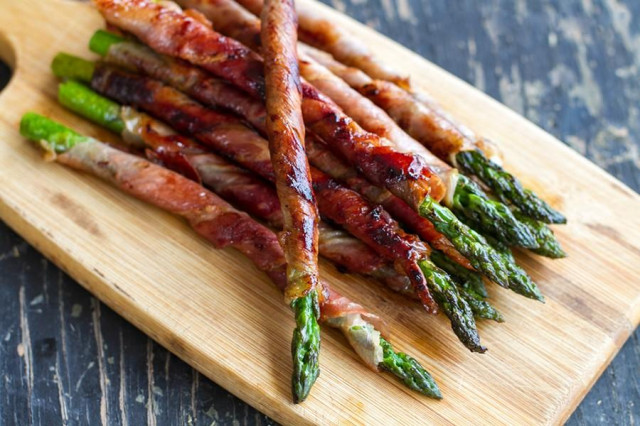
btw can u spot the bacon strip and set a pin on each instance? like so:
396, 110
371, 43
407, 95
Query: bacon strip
285, 129
231, 19
425, 120
179, 35
209, 215
248, 149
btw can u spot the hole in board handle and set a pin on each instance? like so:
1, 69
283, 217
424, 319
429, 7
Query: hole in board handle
7, 61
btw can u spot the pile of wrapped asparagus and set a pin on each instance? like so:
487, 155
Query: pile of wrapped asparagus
284, 149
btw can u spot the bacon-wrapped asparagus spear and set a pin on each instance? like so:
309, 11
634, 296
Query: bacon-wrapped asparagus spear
408, 183
324, 34
285, 130
330, 164
215, 93
371, 225
177, 34
223, 226
465, 198
240, 187
142, 59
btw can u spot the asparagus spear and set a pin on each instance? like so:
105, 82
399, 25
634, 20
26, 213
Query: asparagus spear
407, 369
472, 287
547, 242
468, 201
507, 187
259, 244
305, 344
472, 245
81, 99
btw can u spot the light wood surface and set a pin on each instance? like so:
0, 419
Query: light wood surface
215, 311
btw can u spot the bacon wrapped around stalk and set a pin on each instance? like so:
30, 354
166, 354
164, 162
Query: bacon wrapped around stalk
285, 130
482, 256
463, 196
224, 226
377, 230
215, 93
246, 191
344, 46
424, 119
253, 195
406, 176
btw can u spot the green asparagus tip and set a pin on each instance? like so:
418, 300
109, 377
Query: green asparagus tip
305, 346
507, 187
453, 305
481, 308
41, 129
69, 66
468, 242
518, 280
470, 286
102, 40
522, 284
472, 280
549, 246
489, 216
87, 103
407, 369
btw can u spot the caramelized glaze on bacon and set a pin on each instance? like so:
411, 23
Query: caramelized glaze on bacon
192, 81
325, 35
197, 83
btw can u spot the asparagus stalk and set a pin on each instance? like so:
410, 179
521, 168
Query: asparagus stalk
472, 288
306, 336
507, 187
491, 217
56, 137
470, 244
89, 104
407, 369
548, 245
454, 306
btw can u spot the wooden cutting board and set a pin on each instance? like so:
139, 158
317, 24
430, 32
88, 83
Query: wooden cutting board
218, 313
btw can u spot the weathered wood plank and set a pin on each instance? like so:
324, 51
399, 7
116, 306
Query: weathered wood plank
570, 66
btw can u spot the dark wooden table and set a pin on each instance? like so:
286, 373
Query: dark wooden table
571, 66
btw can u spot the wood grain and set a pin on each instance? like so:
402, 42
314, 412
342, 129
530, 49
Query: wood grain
578, 302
